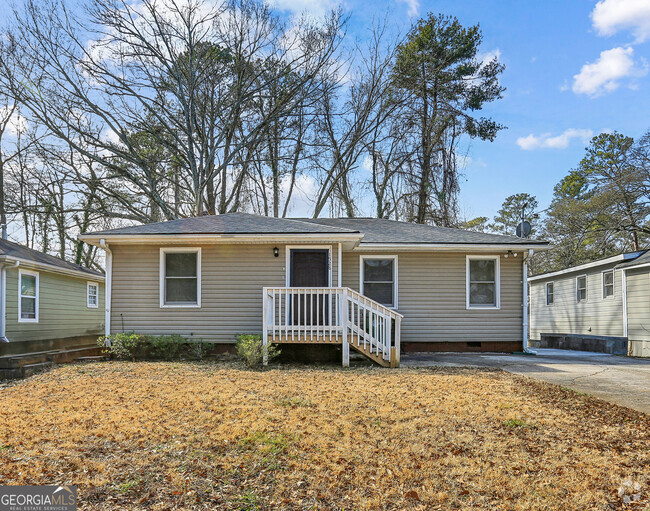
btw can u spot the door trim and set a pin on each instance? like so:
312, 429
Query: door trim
287, 258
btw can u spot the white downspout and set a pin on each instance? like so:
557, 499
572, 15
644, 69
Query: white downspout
3, 299
107, 289
624, 293
527, 254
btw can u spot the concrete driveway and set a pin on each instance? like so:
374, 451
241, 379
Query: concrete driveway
621, 380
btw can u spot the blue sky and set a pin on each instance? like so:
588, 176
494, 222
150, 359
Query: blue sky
574, 68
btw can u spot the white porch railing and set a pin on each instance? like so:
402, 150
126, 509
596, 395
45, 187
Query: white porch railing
331, 314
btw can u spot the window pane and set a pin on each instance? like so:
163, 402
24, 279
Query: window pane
28, 285
382, 293
482, 294
28, 308
608, 278
181, 290
181, 265
378, 270
582, 283
481, 270
549, 294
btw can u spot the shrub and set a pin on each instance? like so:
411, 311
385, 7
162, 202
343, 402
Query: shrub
251, 350
166, 347
125, 346
197, 350
132, 346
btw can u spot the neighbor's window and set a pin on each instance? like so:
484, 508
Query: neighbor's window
581, 287
608, 283
549, 293
28, 297
92, 295
378, 280
482, 282
180, 277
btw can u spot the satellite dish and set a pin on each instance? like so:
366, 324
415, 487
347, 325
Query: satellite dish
523, 229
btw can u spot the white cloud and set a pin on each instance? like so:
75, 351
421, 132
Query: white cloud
302, 198
15, 123
489, 56
610, 16
605, 74
413, 7
547, 141
313, 8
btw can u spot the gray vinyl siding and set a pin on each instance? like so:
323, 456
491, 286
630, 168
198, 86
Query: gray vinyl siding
431, 296
232, 278
63, 310
638, 311
594, 316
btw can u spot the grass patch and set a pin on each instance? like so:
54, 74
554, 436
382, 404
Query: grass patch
296, 402
217, 436
519, 423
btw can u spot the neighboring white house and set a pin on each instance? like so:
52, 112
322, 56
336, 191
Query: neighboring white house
599, 306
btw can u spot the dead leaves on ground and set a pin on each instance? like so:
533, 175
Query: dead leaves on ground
209, 436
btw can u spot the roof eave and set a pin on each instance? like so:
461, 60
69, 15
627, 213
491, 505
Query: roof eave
451, 247
53, 269
351, 239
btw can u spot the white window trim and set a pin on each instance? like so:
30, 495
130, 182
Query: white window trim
287, 260
586, 288
362, 258
546, 294
88, 304
181, 250
36, 305
497, 278
613, 283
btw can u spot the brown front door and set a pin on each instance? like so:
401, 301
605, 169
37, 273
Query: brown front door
309, 268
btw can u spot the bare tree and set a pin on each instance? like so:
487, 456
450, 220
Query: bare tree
173, 74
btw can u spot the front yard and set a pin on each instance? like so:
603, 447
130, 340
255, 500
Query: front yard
207, 436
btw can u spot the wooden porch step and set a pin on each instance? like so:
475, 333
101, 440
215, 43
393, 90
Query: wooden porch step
378, 358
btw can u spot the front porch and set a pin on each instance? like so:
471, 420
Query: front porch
332, 315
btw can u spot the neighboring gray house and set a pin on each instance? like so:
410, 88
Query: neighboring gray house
373, 284
47, 303
599, 306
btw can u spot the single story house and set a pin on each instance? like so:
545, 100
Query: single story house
601, 306
376, 285
47, 303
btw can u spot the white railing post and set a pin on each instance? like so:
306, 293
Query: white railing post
344, 324
396, 350
265, 329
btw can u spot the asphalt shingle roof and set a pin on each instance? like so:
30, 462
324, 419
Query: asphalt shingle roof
644, 258
230, 223
11, 249
380, 230
374, 230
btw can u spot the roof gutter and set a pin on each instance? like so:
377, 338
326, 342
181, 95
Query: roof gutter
93, 239
54, 269
448, 247
3, 297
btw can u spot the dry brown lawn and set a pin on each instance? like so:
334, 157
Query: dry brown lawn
210, 436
